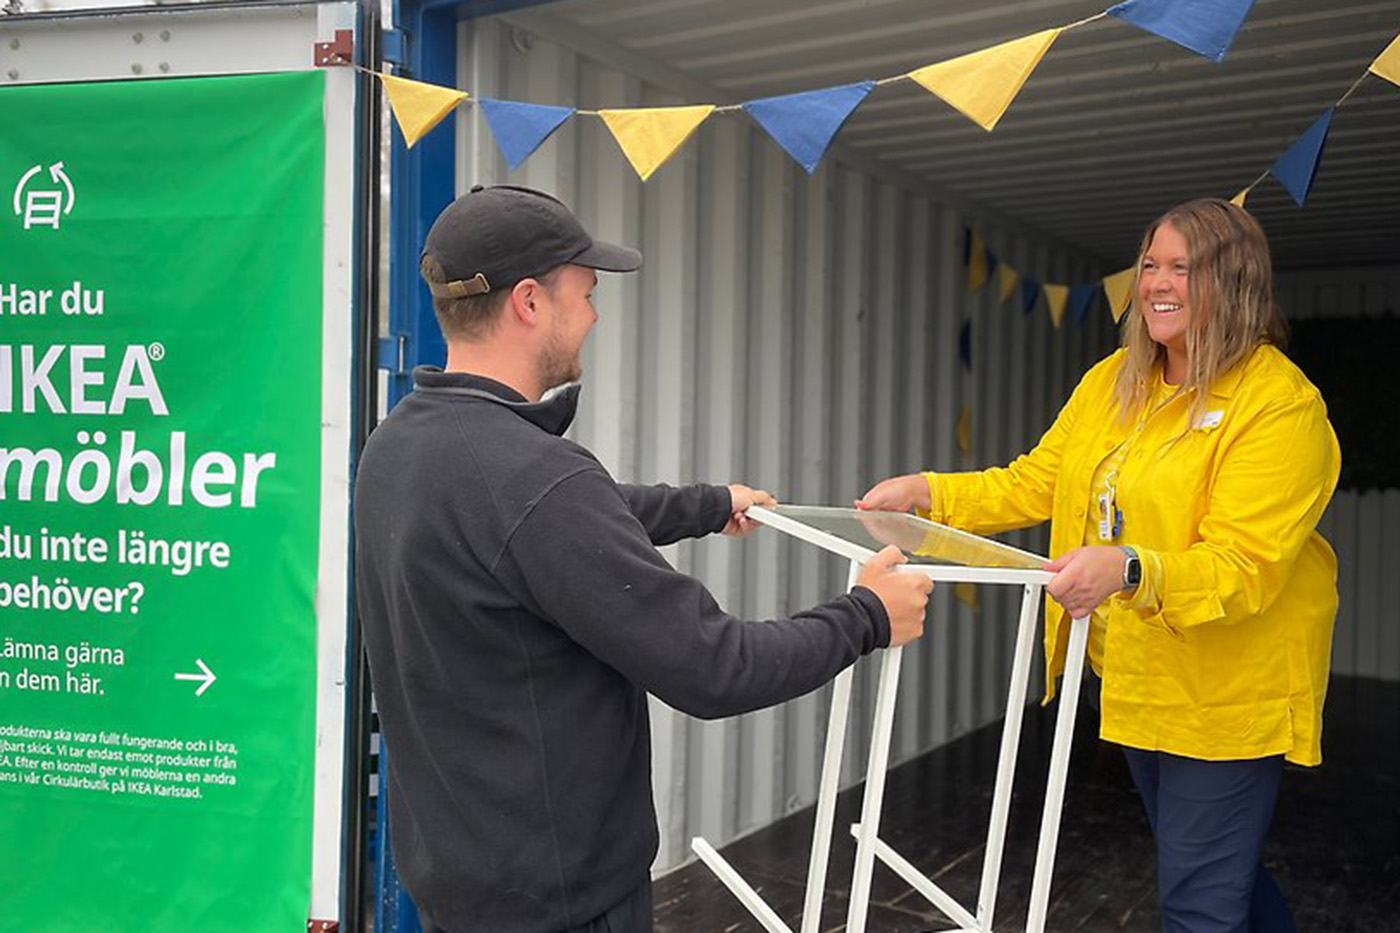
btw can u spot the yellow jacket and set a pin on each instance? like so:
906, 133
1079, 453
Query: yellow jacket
1227, 655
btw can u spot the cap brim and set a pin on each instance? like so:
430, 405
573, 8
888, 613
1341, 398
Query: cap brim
609, 258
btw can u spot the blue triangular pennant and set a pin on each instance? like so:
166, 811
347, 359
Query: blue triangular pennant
1297, 167
520, 128
965, 344
1081, 297
1030, 294
805, 123
1206, 27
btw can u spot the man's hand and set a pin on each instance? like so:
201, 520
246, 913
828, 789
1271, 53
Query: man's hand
904, 594
740, 498
897, 494
1085, 577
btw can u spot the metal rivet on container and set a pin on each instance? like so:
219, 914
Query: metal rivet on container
14, 74
165, 66
138, 38
136, 69
165, 35
14, 43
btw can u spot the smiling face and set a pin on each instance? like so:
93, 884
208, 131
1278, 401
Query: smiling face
1164, 294
1203, 301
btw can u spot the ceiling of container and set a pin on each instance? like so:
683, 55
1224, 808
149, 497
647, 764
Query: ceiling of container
1113, 127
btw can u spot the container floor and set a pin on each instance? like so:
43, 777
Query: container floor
1334, 847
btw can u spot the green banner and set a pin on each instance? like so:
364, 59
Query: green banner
160, 412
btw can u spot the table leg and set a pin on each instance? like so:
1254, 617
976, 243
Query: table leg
1059, 768
1006, 763
874, 791
826, 792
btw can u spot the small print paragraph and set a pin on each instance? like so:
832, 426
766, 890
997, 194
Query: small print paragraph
117, 763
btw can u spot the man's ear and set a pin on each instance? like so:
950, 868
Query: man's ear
522, 301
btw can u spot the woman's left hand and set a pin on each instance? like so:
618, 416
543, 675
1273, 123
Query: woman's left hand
1085, 577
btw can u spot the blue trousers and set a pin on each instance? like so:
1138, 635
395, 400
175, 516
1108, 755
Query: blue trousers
1209, 819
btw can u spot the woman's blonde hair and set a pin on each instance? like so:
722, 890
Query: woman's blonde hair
1232, 304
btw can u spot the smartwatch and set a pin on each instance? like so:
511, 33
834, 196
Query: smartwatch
1132, 568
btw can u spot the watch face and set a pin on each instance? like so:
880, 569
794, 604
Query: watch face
1134, 571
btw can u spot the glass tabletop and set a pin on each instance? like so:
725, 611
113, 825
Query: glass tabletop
924, 541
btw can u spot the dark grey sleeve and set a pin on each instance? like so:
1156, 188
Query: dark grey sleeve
670, 513
585, 561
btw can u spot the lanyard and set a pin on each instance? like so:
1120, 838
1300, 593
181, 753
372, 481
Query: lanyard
1110, 516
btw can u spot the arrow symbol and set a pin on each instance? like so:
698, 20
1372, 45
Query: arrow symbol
58, 175
207, 676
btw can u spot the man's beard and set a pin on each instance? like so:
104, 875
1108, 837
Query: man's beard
557, 365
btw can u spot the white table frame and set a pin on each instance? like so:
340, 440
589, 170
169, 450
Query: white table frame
869, 846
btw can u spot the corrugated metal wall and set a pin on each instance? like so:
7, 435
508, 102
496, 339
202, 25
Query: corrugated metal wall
1364, 528
797, 334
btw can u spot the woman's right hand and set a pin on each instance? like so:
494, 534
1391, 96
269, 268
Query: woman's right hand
897, 494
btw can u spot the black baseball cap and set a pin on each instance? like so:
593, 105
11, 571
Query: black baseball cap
491, 238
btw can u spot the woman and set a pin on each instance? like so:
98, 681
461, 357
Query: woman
1184, 480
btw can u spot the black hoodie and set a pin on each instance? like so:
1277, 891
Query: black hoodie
516, 613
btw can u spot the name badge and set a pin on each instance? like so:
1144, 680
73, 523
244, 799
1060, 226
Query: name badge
1106, 516
1210, 419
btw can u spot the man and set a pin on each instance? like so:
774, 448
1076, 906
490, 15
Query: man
516, 611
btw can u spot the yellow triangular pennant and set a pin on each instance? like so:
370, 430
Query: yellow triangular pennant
418, 107
965, 430
651, 135
1119, 288
1009, 278
1239, 199
977, 272
967, 595
982, 84
1387, 64
1057, 297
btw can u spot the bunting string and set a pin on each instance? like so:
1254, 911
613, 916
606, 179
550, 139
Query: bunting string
981, 84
